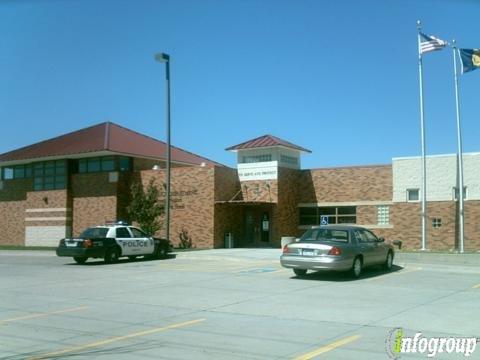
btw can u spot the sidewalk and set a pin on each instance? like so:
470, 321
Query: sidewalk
471, 259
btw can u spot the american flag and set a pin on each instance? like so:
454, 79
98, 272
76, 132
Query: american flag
430, 43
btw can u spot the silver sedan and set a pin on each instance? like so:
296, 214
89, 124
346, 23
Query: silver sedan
338, 248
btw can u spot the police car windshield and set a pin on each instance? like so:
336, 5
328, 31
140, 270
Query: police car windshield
325, 235
94, 233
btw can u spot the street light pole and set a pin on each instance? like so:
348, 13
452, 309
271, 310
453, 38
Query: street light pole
165, 58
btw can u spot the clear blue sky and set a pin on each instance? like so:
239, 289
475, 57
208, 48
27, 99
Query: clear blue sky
337, 77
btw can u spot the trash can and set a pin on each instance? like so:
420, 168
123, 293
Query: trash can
287, 240
228, 240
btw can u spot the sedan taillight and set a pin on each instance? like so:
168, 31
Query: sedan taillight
335, 251
285, 249
87, 243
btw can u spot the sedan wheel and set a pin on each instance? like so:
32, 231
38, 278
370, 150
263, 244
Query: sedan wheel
357, 267
389, 261
300, 272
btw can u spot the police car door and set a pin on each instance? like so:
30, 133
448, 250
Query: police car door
124, 239
144, 242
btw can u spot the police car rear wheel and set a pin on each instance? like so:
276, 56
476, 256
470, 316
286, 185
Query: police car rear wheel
80, 259
111, 256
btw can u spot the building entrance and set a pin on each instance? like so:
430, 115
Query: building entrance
257, 227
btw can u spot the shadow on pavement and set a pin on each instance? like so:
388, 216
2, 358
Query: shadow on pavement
345, 276
97, 262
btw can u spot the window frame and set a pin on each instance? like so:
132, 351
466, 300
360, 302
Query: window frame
127, 230
383, 215
456, 193
437, 223
50, 175
251, 159
408, 192
333, 216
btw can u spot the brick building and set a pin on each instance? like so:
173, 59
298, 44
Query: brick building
58, 187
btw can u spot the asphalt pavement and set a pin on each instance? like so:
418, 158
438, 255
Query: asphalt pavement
230, 304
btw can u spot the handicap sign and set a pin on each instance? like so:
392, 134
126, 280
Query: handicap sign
323, 220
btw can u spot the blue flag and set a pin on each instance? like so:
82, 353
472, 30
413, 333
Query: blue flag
470, 59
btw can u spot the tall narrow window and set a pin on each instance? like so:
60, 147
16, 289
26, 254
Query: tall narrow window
383, 215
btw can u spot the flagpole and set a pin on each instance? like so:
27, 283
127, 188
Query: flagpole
459, 152
422, 132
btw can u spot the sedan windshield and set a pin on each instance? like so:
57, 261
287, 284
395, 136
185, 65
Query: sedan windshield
325, 235
94, 233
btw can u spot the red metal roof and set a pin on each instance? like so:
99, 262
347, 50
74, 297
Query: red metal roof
106, 136
266, 141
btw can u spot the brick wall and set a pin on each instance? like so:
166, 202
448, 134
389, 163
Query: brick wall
406, 220
472, 225
229, 218
260, 190
94, 200
48, 217
12, 211
285, 215
191, 202
366, 183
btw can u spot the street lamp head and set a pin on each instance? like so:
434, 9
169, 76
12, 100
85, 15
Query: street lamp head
162, 57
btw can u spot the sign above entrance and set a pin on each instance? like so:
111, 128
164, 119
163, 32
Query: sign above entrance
267, 170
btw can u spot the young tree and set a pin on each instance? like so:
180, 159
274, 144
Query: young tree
145, 207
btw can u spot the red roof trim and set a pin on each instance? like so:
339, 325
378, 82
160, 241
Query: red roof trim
266, 141
105, 136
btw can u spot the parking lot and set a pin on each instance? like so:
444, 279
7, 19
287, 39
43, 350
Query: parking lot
228, 304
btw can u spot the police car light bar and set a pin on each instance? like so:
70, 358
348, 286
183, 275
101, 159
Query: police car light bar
118, 222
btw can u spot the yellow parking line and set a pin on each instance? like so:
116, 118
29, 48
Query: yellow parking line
115, 339
327, 348
476, 286
34, 316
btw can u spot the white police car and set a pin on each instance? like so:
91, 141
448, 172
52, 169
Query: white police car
111, 242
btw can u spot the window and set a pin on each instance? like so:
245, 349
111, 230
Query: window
138, 233
122, 233
93, 165
456, 194
413, 194
309, 216
436, 223
7, 173
16, 172
288, 159
125, 163
256, 158
108, 163
324, 234
95, 232
50, 175
334, 215
383, 215
104, 164
369, 236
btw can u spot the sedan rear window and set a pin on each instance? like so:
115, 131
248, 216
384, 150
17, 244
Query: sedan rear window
325, 235
94, 233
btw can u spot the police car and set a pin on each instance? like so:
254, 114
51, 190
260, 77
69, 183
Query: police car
112, 241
